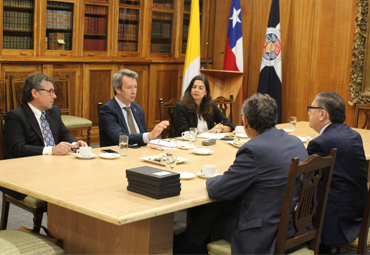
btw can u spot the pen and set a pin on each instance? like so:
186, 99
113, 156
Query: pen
155, 148
75, 148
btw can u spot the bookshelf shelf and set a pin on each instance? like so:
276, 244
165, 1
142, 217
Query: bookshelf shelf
17, 8
95, 35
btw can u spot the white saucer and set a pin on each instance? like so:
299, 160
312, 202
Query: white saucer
241, 135
186, 175
109, 155
86, 157
203, 151
206, 177
288, 130
187, 147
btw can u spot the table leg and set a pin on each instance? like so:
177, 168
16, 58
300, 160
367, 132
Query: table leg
83, 234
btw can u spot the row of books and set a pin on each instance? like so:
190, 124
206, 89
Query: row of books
128, 14
161, 30
59, 41
19, 3
183, 47
95, 25
59, 19
160, 48
163, 4
162, 15
96, 9
60, 4
95, 44
127, 31
17, 42
18, 21
127, 46
185, 31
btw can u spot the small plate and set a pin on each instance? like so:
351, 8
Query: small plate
185, 139
86, 157
186, 175
303, 139
203, 151
151, 159
187, 147
238, 145
241, 135
109, 155
206, 177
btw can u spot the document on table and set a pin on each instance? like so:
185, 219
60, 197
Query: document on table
167, 143
212, 135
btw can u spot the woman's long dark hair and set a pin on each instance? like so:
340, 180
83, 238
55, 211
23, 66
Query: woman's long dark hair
205, 109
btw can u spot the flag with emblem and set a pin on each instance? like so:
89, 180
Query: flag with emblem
192, 57
270, 72
234, 41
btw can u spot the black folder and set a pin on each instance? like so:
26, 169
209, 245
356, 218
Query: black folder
152, 173
139, 184
131, 177
148, 194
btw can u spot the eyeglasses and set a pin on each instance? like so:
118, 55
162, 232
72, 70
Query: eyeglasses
309, 108
51, 91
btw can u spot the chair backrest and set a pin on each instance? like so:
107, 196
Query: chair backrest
310, 172
224, 104
63, 100
4, 95
100, 104
364, 229
365, 108
2, 141
170, 108
16, 91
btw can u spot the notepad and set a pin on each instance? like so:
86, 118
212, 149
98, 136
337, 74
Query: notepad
212, 135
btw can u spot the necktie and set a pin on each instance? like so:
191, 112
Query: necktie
130, 120
46, 132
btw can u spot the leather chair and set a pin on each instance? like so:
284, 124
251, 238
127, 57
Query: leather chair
224, 104
310, 172
169, 108
362, 243
365, 108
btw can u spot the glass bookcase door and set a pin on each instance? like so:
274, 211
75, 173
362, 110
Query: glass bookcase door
162, 27
18, 27
59, 26
186, 22
128, 30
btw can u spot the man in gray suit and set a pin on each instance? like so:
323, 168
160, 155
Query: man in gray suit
257, 180
35, 127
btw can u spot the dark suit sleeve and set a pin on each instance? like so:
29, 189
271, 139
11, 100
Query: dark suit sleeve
57, 125
110, 126
181, 120
315, 148
219, 117
236, 180
17, 144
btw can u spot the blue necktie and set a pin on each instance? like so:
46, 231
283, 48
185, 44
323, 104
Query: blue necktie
46, 132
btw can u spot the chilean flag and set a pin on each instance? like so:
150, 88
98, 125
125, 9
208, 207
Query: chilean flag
234, 42
270, 72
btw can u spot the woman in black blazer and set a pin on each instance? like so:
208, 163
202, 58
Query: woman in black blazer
198, 110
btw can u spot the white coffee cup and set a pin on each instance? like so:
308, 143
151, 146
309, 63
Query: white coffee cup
185, 135
84, 151
239, 130
209, 170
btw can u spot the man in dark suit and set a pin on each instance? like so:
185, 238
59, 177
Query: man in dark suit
36, 127
348, 190
122, 116
257, 180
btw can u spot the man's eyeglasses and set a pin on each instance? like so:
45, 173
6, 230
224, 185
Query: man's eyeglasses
309, 108
51, 91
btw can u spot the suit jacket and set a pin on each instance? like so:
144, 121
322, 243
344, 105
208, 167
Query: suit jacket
23, 137
348, 190
183, 119
259, 175
112, 124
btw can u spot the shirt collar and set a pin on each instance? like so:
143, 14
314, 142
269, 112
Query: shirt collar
36, 111
323, 129
121, 105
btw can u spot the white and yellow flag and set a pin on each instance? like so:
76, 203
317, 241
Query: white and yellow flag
192, 58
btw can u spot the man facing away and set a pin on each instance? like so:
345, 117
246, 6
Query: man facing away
348, 190
122, 116
35, 127
257, 180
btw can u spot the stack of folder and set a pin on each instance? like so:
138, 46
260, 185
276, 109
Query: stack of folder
153, 182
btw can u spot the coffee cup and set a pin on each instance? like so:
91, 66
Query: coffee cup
239, 130
209, 170
84, 151
185, 135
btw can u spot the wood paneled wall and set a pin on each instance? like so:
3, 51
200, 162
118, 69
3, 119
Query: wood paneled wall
317, 38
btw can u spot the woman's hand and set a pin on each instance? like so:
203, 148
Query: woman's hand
219, 128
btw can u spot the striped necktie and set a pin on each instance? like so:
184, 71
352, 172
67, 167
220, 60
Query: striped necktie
46, 131
130, 120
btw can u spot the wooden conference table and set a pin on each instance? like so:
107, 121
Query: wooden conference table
90, 208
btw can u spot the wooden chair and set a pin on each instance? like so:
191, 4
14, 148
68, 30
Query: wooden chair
16, 91
224, 104
100, 104
5, 95
361, 244
170, 108
365, 108
310, 172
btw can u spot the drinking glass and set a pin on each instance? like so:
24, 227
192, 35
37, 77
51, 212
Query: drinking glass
170, 162
123, 145
193, 135
293, 122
